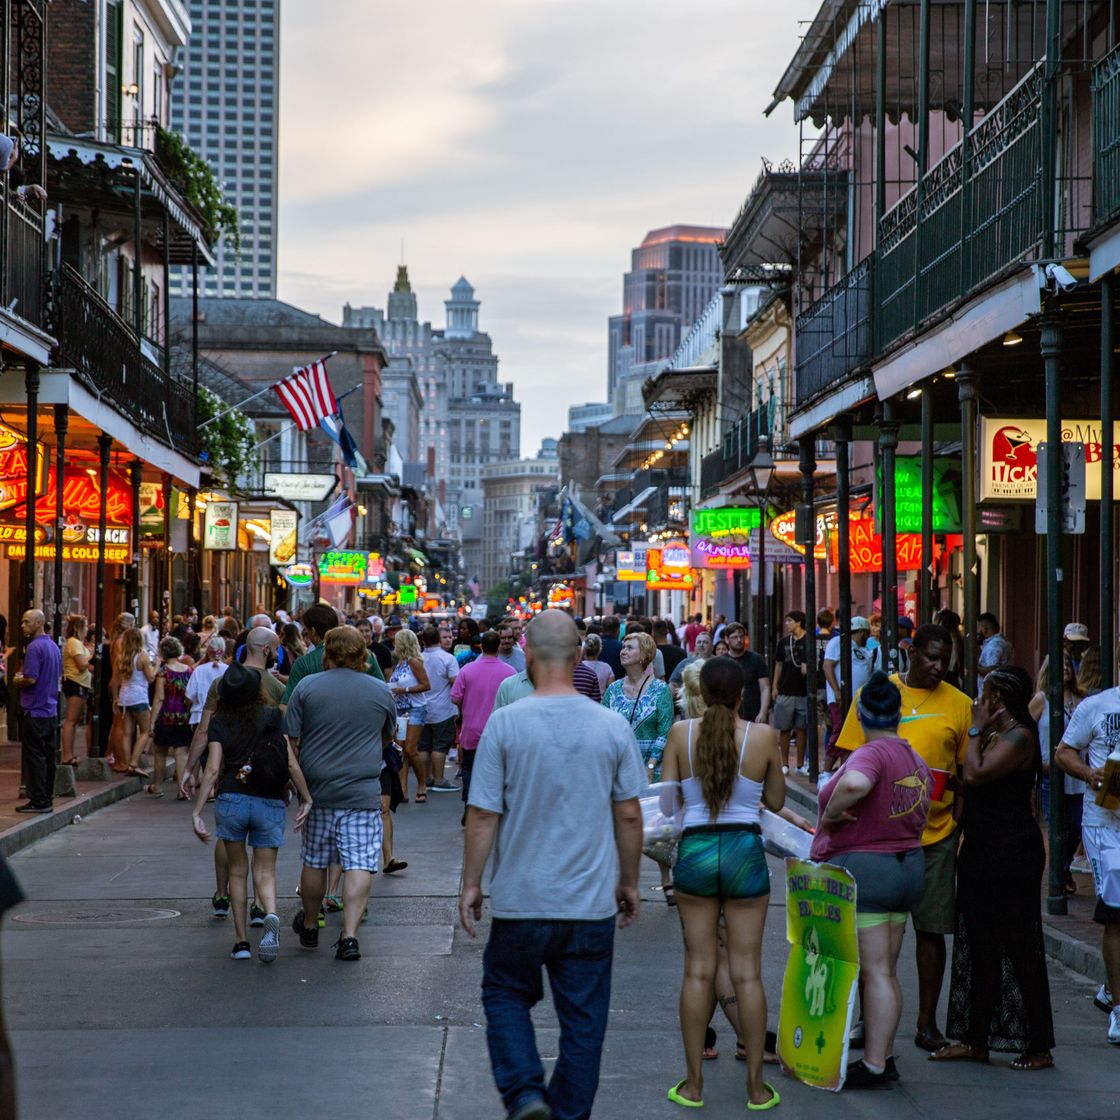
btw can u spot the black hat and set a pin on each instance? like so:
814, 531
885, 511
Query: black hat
239, 686
880, 702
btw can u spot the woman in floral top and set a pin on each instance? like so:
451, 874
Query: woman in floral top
647, 705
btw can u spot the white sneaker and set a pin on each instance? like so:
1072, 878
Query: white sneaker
1114, 1027
785, 769
269, 948
1103, 999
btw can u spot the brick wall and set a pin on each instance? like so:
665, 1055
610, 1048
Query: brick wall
71, 74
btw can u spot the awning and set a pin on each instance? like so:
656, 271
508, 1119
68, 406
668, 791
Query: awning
682, 389
186, 224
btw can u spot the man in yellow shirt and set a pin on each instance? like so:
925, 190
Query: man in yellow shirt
936, 719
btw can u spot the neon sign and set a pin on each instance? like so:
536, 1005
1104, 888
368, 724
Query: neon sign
720, 538
669, 568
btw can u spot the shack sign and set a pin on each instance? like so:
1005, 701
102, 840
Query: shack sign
1009, 457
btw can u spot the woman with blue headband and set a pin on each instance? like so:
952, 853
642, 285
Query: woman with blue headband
871, 819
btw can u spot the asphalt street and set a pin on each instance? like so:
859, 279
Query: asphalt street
123, 1002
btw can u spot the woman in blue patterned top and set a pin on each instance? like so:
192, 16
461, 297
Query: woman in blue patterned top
647, 705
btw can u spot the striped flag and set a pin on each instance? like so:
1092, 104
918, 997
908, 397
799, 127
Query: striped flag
307, 395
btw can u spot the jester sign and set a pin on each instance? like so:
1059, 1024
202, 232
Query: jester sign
819, 990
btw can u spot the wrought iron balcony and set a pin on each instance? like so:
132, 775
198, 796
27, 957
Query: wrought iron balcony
22, 272
834, 335
106, 353
978, 211
740, 445
1106, 138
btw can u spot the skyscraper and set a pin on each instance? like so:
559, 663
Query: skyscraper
225, 102
673, 274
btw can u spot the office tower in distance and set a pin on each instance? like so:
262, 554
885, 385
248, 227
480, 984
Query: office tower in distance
225, 102
673, 274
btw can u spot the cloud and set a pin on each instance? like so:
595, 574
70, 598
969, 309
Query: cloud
529, 145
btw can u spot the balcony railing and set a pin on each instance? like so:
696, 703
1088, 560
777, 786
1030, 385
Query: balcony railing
22, 280
1106, 138
834, 335
106, 353
980, 209
740, 445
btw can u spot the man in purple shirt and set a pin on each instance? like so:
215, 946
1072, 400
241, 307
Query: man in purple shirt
473, 691
38, 684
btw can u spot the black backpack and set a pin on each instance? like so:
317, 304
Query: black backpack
266, 769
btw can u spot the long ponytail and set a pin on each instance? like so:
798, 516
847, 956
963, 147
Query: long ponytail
717, 759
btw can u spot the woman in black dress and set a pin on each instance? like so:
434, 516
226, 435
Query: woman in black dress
1000, 995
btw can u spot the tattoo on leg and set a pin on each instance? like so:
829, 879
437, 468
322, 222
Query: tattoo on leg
727, 1001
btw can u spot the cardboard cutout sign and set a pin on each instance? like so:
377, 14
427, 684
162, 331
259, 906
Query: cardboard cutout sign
822, 973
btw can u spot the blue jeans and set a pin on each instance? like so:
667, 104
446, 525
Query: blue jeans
577, 956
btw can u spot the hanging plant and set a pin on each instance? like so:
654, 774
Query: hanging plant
195, 178
229, 442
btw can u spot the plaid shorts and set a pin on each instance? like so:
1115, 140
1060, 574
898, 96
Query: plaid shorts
351, 837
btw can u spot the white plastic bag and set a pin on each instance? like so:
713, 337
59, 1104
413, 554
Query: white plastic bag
661, 821
783, 838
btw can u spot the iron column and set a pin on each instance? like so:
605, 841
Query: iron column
1051, 355
104, 443
841, 433
888, 445
925, 580
1108, 496
61, 425
135, 477
31, 383
966, 394
808, 466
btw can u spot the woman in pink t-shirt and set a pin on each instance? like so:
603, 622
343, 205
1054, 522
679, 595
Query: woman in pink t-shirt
871, 819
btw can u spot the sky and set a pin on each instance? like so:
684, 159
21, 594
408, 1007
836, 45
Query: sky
526, 144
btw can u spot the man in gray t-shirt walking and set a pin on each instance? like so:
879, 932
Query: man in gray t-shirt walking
341, 718
554, 793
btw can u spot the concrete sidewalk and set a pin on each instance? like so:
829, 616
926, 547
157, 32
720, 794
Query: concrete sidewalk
95, 788
1073, 938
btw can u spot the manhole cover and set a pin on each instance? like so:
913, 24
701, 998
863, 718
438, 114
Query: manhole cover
98, 917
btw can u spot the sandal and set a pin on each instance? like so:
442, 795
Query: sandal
420, 798
959, 1052
1029, 1062
395, 865
709, 1053
153, 791
773, 1102
69, 762
674, 1094
670, 897
931, 1042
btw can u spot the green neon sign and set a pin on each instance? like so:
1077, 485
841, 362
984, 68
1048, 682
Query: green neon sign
908, 495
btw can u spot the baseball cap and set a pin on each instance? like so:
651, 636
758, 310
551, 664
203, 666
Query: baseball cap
1076, 632
859, 623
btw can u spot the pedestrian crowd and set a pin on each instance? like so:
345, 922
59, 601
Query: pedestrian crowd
551, 732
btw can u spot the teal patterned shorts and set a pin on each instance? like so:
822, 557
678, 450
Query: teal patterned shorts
726, 862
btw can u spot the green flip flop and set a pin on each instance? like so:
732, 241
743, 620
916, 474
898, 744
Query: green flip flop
674, 1095
773, 1102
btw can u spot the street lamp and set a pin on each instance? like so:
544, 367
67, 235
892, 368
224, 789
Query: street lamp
760, 473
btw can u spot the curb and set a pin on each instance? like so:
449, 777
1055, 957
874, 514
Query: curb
19, 837
1077, 955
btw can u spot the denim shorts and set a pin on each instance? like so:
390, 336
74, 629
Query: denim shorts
137, 709
240, 816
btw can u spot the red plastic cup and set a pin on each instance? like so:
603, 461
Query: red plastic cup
940, 781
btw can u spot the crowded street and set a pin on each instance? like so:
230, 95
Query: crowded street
559, 560
118, 968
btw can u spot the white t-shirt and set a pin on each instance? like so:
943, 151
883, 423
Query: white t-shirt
1094, 732
865, 661
442, 670
203, 675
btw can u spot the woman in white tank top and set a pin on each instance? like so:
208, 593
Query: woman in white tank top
727, 768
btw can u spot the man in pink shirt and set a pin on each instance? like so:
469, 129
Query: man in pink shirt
695, 626
473, 691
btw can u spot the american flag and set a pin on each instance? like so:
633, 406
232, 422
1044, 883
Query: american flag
307, 395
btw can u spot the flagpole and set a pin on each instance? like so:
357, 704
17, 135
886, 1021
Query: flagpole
289, 427
268, 389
